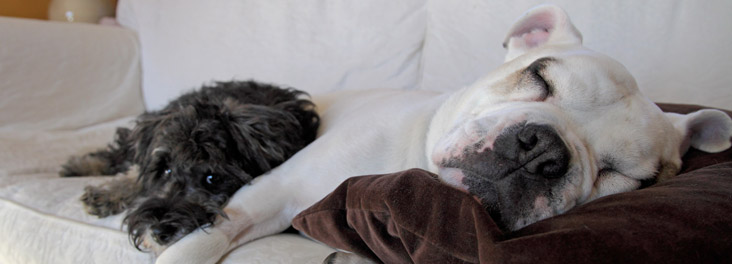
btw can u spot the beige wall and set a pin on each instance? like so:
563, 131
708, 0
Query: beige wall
25, 8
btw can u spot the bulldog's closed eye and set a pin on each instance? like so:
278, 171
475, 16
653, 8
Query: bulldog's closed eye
606, 165
535, 74
604, 171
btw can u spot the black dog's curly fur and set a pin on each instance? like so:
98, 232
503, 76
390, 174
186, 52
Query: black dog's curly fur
193, 155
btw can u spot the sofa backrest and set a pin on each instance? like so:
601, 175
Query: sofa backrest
678, 50
317, 46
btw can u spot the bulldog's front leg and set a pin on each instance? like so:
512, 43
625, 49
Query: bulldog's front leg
253, 212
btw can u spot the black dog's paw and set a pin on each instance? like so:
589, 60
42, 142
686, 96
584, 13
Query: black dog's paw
116, 158
110, 198
86, 165
101, 202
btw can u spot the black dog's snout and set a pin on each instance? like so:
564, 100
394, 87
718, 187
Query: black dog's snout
162, 233
537, 148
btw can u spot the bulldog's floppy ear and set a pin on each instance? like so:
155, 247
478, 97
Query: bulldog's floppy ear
706, 130
541, 25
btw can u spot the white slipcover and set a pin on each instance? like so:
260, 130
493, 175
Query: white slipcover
65, 87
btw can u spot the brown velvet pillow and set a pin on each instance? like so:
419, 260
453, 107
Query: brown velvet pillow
410, 216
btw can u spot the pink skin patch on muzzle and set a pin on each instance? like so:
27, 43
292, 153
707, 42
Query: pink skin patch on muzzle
453, 177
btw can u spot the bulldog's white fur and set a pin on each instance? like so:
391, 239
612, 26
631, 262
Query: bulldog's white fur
613, 138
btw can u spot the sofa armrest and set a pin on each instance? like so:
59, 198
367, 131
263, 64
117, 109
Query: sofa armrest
63, 76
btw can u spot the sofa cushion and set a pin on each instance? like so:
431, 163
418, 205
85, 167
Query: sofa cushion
64, 76
410, 216
313, 46
43, 221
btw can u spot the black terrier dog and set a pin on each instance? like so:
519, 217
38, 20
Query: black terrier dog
183, 162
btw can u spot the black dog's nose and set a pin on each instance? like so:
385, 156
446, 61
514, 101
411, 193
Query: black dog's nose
536, 148
162, 233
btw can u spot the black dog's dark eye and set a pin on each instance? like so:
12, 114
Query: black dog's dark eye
211, 179
167, 171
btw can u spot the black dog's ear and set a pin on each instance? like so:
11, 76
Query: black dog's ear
265, 135
143, 143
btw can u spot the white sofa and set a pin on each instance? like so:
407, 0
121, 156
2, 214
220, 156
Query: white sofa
65, 87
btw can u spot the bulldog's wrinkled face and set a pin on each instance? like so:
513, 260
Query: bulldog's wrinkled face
559, 125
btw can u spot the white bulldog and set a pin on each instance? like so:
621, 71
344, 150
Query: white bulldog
557, 125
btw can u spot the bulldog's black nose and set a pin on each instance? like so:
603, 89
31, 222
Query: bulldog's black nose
537, 149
